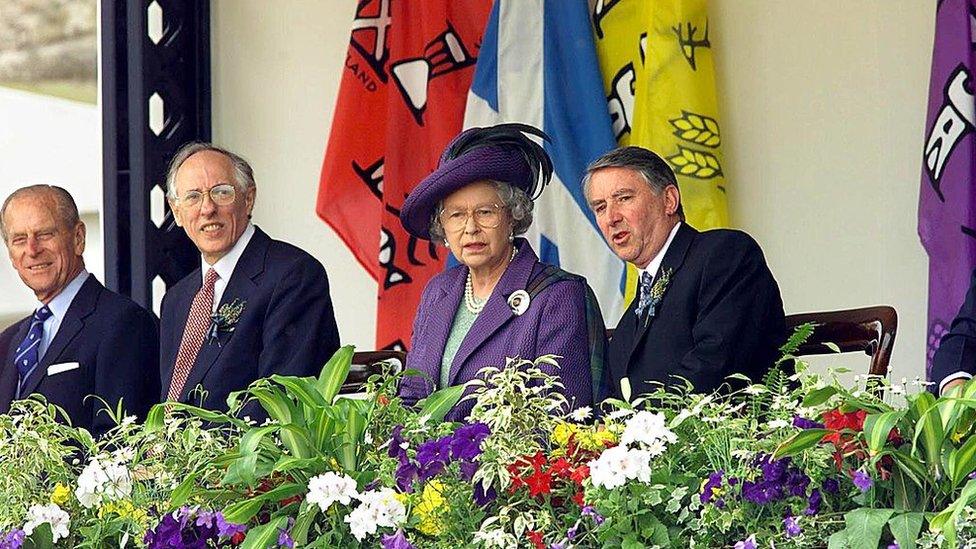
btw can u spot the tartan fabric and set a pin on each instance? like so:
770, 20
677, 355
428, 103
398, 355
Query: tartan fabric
197, 323
595, 327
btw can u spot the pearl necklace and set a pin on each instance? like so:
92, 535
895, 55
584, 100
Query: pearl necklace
472, 303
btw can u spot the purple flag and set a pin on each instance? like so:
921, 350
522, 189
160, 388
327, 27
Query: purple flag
947, 200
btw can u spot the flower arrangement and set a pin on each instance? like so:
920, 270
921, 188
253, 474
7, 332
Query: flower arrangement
795, 461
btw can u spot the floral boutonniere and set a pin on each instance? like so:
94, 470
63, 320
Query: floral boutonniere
224, 320
657, 292
519, 302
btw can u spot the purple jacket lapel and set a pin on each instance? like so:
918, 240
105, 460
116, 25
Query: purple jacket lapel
496, 312
443, 308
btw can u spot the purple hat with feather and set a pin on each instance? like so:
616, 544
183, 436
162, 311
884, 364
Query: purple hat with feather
496, 153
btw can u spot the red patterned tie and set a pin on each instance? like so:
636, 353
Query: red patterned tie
196, 327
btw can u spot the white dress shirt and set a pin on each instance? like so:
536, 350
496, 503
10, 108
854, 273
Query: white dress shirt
655, 263
225, 265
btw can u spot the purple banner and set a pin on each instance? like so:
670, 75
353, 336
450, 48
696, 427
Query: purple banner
947, 200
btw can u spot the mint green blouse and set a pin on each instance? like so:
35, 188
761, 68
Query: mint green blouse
463, 320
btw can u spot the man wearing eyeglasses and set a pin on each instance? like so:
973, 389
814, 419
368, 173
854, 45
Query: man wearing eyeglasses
255, 307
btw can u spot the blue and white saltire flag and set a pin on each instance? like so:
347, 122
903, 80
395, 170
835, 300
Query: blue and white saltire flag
537, 65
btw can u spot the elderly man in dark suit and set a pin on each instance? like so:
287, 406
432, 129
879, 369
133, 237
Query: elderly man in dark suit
255, 307
707, 305
954, 362
82, 339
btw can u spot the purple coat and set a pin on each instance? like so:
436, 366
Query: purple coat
554, 323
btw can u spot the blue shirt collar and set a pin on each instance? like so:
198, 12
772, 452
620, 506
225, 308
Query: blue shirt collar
60, 303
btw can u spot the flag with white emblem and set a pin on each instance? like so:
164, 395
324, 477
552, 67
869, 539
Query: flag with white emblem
538, 66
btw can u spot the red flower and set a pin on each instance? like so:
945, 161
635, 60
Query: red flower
539, 483
290, 500
237, 538
580, 474
537, 461
578, 498
536, 539
560, 468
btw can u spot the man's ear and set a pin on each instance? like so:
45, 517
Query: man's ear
672, 198
176, 212
80, 232
249, 198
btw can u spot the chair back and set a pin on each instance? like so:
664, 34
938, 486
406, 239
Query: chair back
367, 363
870, 330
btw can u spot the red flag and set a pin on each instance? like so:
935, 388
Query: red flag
401, 100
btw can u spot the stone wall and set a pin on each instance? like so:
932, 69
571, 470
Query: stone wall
48, 40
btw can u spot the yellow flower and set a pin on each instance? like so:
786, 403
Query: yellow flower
562, 432
60, 494
124, 509
429, 509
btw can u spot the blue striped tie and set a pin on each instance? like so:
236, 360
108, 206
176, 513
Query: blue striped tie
28, 353
644, 300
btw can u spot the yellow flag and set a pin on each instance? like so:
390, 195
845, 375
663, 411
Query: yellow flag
659, 75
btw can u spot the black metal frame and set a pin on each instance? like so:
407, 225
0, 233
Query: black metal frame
177, 67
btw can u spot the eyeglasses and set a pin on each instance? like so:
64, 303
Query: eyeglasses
487, 216
222, 195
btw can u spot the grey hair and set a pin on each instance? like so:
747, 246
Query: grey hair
515, 200
67, 210
653, 169
243, 174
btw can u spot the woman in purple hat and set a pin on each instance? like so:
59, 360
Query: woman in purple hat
500, 301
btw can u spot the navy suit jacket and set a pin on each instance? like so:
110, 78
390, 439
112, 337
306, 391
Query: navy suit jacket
287, 327
957, 352
115, 343
721, 313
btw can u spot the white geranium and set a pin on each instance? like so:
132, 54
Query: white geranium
51, 514
328, 488
377, 509
605, 471
97, 483
647, 427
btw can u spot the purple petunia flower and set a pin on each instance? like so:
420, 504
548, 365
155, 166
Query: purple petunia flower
863, 481
894, 545
557, 545
396, 449
797, 482
397, 540
589, 511
466, 442
435, 451
226, 529
571, 533
13, 539
791, 526
813, 503
804, 423
405, 474
468, 469
284, 539
714, 481
831, 486
748, 543
168, 533
481, 497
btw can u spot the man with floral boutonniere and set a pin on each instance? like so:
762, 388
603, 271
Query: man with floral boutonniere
500, 302
707, 305
255, 307
84, 347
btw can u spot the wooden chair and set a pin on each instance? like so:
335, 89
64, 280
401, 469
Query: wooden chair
868, 329
367, 363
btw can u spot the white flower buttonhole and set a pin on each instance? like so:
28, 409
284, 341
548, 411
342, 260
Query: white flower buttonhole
519, 302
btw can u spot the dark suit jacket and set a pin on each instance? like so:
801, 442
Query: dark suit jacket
957, 352
287, 326
721, 313
115, 343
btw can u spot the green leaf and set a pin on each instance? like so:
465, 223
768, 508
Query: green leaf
278, 406
40, 538
334, 373
819, 396
832, 346
265, 535
182, 492
865, 526
946, 520
838, 540
349, 453
906, 527
808, 438
439, 403
302, 388
244, 468
243, 511
929, 428
962, 461
877, 427
155, 418
306, 516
